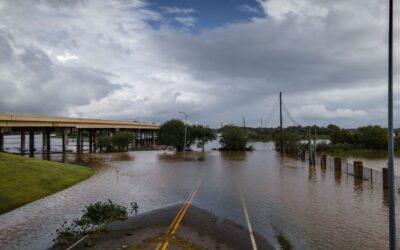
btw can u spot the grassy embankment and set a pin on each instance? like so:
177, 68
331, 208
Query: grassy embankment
23, 180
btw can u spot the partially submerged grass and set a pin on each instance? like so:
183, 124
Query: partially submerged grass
23, 180
284, 243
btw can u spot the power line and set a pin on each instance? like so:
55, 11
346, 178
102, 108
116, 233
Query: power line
289, 115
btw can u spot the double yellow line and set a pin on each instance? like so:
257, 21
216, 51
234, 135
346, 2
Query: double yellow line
178, 218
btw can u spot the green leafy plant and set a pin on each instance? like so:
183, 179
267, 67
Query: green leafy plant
234, 139
94, 217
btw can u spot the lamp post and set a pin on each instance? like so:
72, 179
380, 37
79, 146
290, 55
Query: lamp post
392, 212
186, 117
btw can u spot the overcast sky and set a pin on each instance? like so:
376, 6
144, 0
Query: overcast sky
218, 61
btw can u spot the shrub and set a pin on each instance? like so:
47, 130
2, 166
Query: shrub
93, 219
121, 140
233, 139
172, 133
104, 143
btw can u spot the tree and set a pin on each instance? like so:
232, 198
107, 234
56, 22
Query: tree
104, 143
291, 142
172, 133
234, 139
119, 141
339, 135
122, 139
201, 135
371, 137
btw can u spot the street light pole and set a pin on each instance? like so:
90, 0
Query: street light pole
186, 117
392, 212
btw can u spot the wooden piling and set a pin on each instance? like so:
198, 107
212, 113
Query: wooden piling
358, 169
338, 164
385, 179
323, 160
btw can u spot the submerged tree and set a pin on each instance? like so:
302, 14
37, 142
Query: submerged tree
201, 135
172, 133
119, 141
234, 139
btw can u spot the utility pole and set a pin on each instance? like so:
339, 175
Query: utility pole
315, 145
261, 122
392, 212
281, 122
244, 122
186, 117
309, 147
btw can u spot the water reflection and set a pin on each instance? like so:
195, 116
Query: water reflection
314, 208
338, 177
234, 156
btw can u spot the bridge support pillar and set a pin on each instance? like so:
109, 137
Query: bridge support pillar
31, 142
139, 138
1, 141
90, 140
46, 139
78, 140
358, 169
64, 140
22, 146
94, 140
154, 137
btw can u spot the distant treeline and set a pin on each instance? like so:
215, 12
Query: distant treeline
270, 134
340, 139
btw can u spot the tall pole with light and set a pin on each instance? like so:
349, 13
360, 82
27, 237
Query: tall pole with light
186, 117
392, 212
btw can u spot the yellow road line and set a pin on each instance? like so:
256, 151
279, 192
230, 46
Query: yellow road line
246, 215
178, 218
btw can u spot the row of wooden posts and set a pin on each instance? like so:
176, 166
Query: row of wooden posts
358, 172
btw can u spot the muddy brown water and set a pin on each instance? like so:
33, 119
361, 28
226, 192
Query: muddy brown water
308, 206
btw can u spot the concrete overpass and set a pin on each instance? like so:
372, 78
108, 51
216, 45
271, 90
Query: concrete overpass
65, 126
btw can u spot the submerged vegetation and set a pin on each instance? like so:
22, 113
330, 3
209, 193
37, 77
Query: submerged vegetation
234, 139
23, 180
93, 221
172, 134
117, 142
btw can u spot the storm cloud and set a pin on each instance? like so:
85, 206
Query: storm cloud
105, 59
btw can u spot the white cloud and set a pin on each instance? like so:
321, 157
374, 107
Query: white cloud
66, 57
248, 9
279, 9
176, 10
186, 21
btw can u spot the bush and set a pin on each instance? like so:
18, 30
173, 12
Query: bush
104, 143
201, 135
291, 142
94, 217
172, 133
233, 139
119, 141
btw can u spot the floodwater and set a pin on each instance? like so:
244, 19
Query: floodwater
312, 208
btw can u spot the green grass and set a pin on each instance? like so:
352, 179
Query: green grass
23, 180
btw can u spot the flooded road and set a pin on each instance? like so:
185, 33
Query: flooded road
308, 206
